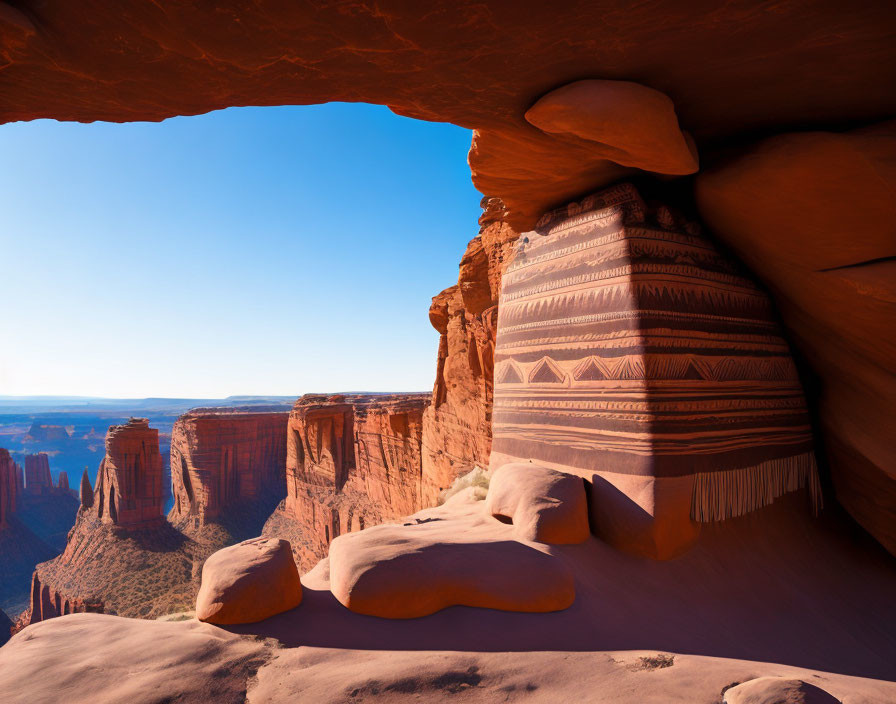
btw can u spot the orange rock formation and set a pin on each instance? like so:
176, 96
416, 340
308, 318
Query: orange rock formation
351, 462
220, 457
8, 486
128, 490
553, 106
249, 582
457, 433
37, 474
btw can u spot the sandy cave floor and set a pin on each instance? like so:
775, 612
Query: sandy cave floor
772, 593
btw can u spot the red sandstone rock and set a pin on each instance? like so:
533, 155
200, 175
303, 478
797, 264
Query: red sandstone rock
352, 462
220, 457
62, 484
813, 215
129, 482
544, 505
8, 486
249, 582
86, 492
433, 562
47, 602
630, 124
481, 66
777, 690
105, 659
38, 479
457, 425
632, 352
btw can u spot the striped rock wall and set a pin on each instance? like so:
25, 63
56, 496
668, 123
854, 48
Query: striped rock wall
632, 352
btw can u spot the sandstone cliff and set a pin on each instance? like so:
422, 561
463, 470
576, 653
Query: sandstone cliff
457, 425
351, 461
32, 529
224, 457
812, 214
129, 482
8, 486
38, 479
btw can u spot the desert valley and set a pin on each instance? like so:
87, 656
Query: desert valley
656, 460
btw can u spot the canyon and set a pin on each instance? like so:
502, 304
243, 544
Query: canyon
680, 297
34, 520
542, 135
333, 465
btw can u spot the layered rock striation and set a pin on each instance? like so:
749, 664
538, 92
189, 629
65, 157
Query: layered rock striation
38, 479
457, 424
351, 461
128, 491
9, 488
632, 352
221, 457
192, 59
33, 526
47, 602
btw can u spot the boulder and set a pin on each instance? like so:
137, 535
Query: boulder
249, 582
416, 569
544, 505
628, 123
777, 690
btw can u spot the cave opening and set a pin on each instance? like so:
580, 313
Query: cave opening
375, 209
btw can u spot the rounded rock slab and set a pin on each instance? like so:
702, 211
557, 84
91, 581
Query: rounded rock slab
777, 690
545, 505
249, 582
413, 570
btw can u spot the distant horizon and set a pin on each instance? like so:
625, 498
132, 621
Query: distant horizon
246, 248
26, 397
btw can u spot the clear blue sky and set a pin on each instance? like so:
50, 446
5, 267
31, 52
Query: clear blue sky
247, 251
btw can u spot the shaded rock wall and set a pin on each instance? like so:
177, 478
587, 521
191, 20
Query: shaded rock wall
33, 526
351, 462
457, 424
632, 352
128, 491
47, 602
38, 479
5, 627
8, 486
814, 215
219, 458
